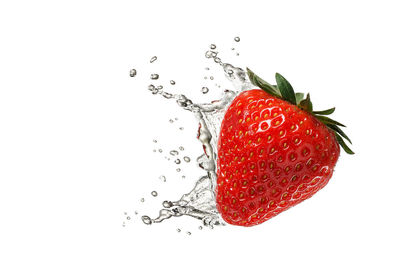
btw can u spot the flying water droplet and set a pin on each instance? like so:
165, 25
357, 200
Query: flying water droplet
174, 153
237, 39
204, 90
178, 161
211, 78
171, 121
154, 76
128, 218
186, 158
181, 128
136, 213
154, 193
208, 54
178, 170
142, 200
153, 59
167, 204
181, 148
188, 233
183, 176
178, 230
146, 220
163, 178
160, 150
213, 46
132, 73
154, 141
172, 82
200, 227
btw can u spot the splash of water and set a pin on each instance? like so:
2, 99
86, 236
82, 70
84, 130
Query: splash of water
200, 202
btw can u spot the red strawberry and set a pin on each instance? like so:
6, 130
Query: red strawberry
273, 152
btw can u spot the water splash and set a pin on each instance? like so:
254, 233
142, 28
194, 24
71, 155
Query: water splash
200, 202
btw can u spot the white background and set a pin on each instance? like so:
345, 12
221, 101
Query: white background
76, 131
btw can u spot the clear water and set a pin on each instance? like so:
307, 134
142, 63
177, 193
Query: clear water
200, 202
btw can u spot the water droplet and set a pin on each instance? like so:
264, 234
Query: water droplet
167, 95
237, 54
146, 220
217, 60
154, 141
160, 150
230, 72
178, 161
205, 78
167, 204
186, 158
204, 90
153, 59
136, 213
181, 128
132, 73
128, 218
181, 148
213, 46
237, 39
207, 68
151, 87
178, 230
183, 176
172, 82
142, 200
125, 213
208, 54
159, 87
154, 76
200, 227
176, 119
154, 150
188, 233
178, 170
171, 120
154, 193
233, 48
174, 152
163, 178
211, 78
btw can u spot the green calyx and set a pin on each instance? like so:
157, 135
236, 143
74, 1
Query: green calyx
284, 90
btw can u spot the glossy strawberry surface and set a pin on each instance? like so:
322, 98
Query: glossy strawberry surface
272, 155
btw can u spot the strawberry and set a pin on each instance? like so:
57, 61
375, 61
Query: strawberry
274, 151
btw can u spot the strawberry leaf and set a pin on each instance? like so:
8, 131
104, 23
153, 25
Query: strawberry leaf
325, 112
299, 97
343, 144
265, 86
306, 104
339, 131
285, 88
327, 120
